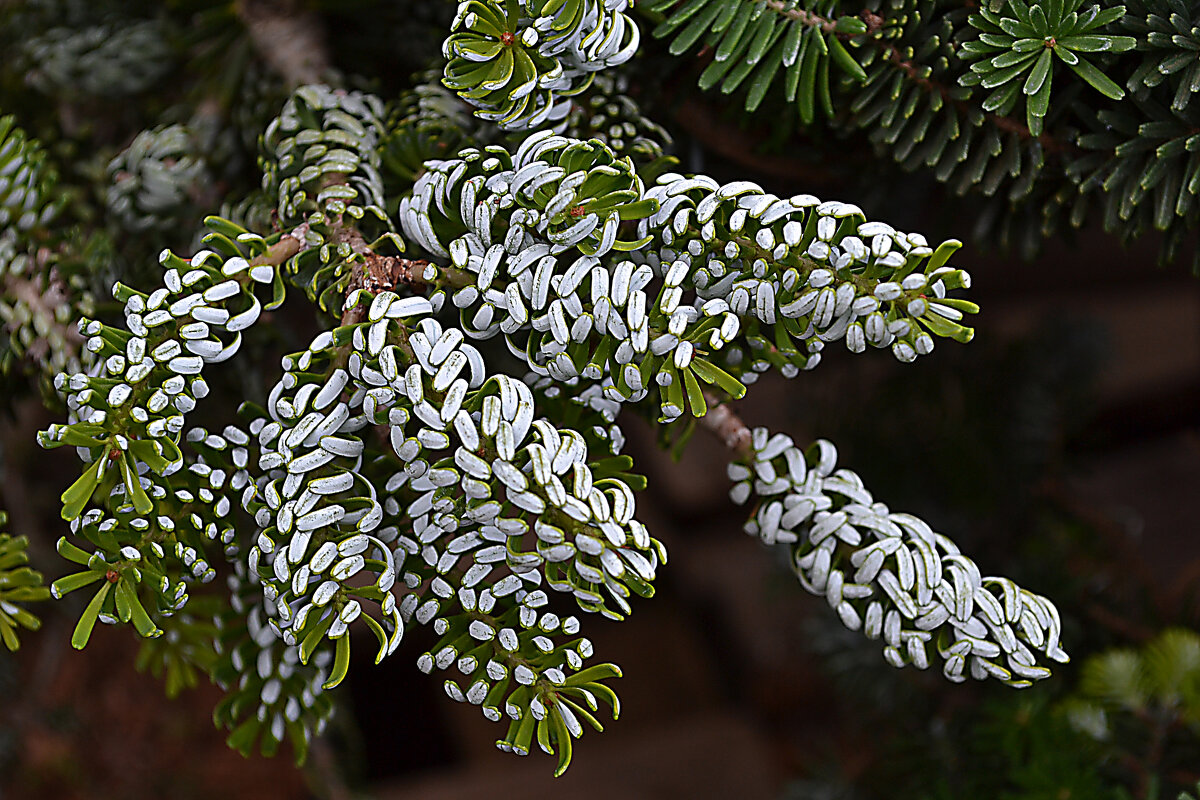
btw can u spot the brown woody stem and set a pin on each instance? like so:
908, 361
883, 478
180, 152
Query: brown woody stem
288, 38
721, 421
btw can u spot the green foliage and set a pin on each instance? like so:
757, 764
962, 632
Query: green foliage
914, 112
271, 696
184, 652
1163, 675
155, 179
1018, 44
320, 136
321, 162
39, 301
18, 585
1168, 34
147, 515
977, 101
1022, 749
1148, 170
519, 61
757, 44
106, 59
1142, 707
26, 182
427, 123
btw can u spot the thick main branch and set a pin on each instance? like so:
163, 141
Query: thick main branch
288, 38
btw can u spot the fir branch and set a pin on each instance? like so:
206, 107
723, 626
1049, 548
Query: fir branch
774, 278
519, 62
889, 574
1008, 124
756, 460
1018, 47
396, 476
18, 585
38, 302
756, 43
58, 343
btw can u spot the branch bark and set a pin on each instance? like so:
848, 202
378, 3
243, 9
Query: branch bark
806, 17
292, 242
288, 38
722, 422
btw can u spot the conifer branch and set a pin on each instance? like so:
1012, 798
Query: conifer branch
889, 574
910, 70
1008, 124
43, 301
398, 473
